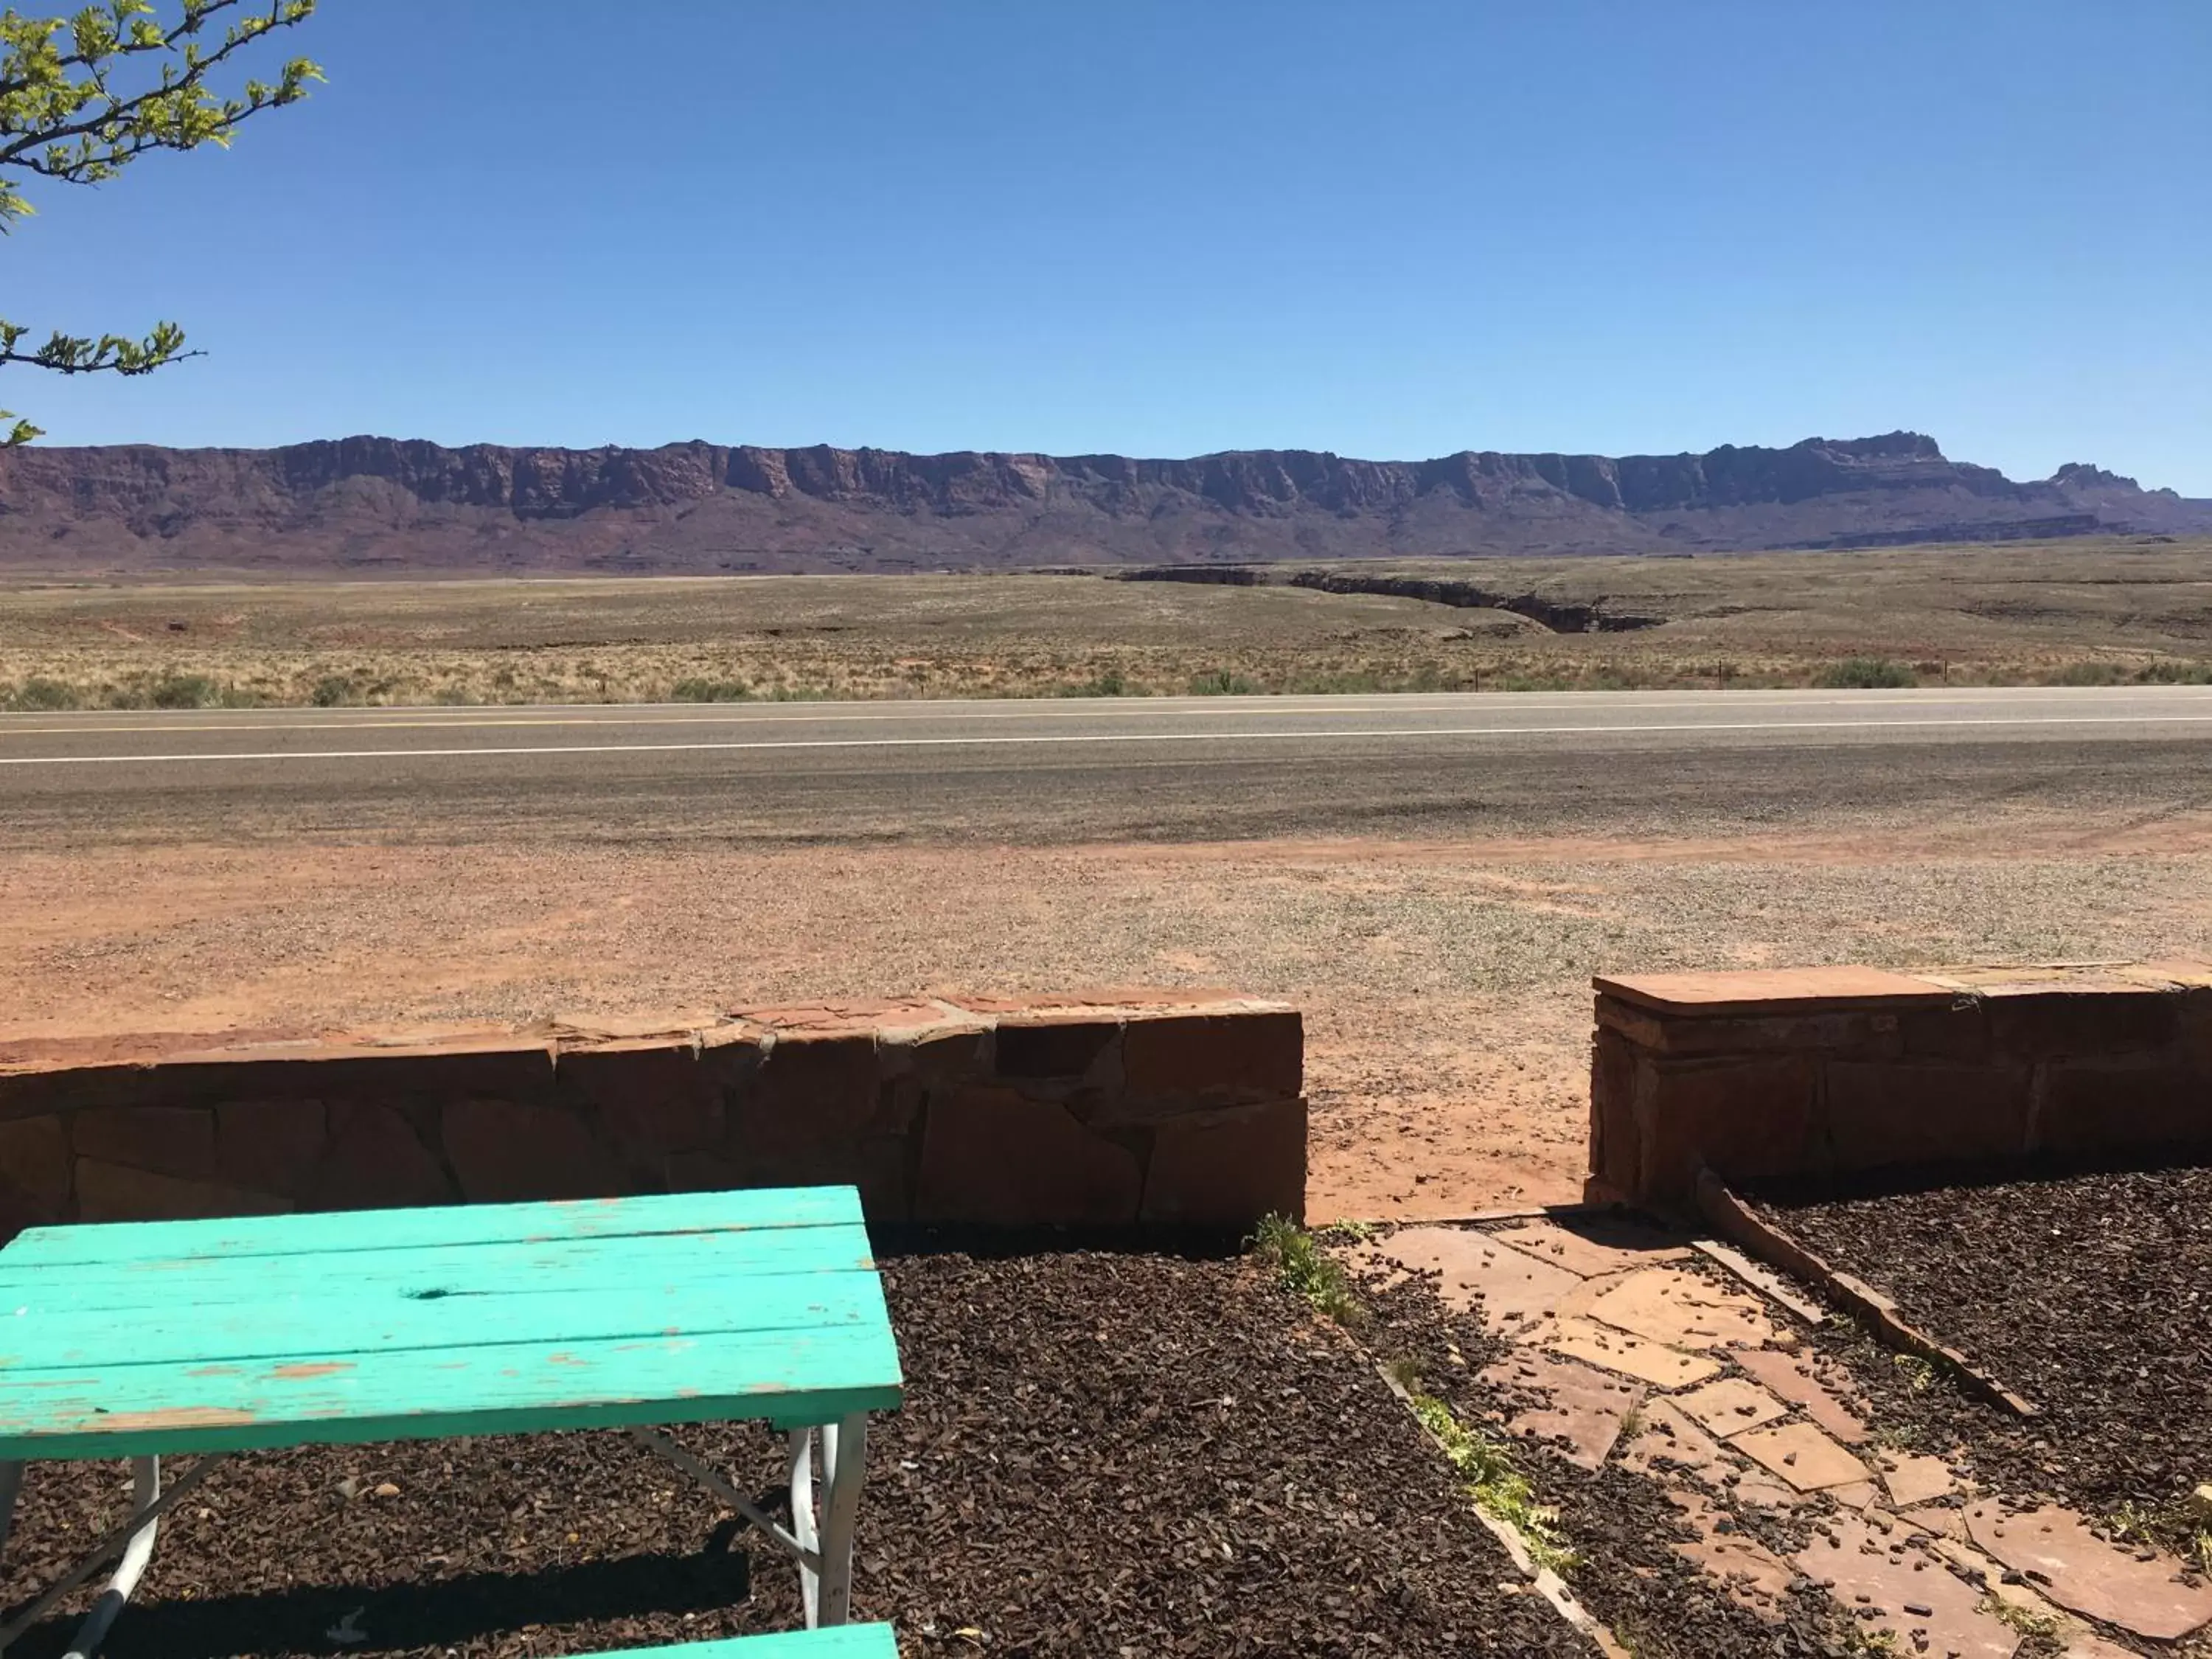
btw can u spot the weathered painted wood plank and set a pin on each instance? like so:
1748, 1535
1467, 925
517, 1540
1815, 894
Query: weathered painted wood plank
809, 1377
357, 1320
350, 1230
573, 1264
840, 1642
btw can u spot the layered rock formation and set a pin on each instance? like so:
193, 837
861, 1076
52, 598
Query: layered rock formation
369, 504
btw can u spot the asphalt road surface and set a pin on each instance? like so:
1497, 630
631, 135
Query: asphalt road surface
1167, 768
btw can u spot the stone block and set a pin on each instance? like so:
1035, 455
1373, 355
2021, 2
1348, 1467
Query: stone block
2099, 1105
990, 1158
944, 1052
20, 1209
877, 1168
377, 1162
1960, 1032
1766, 992
813, 1091
1861, 1033
1614, 1146
1883, 1115
59, 1089
1222, 1059
1038, 1047
1747, 1118
34, 1160
652, 1098
172, 1141
117, 1192
1230, 1167
2120, 1019
510, 1068
270, 1146
510, 1152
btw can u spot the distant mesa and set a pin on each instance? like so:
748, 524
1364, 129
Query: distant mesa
368, 505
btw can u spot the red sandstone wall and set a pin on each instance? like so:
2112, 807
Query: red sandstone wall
1818, 1072
990, 1112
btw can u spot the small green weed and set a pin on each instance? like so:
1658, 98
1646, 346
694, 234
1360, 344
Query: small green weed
1499, 1489
1865, 674
2022, 1621
2182, 1527
1303, 1265
1919, 1374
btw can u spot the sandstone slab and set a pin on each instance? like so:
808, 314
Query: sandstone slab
1580, 1409
1632, 1356
1683, 1309
1911, 1480
1592, 1245
2086, 1575
1801, 1455
1898, 1586
1514, 1291
1670, 1443
1795, 1378
1728, 1405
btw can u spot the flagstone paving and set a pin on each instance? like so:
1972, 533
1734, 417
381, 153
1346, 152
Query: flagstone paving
2139, 1590
1801, 1455
1584, 1408
1630, 1352
1731, 1405
1888, 1579
1795, 1377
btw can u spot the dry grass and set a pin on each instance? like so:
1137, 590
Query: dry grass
2073, 613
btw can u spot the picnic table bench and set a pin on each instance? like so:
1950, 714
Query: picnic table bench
152, 1340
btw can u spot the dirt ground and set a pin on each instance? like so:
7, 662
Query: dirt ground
1445, 984
2084, 610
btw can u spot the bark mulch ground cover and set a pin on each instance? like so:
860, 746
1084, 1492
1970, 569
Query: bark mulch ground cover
1101, 1455
2089, 1293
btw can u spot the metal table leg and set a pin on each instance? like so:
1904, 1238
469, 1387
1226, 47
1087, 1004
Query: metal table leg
145, 1493
133, 1540
844, 1460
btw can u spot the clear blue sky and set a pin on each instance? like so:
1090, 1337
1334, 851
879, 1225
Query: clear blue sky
1391, 228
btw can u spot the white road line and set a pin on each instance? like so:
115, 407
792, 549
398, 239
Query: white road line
1104, 708
1072, 739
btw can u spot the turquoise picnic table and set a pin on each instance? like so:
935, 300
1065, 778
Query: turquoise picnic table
151, 1339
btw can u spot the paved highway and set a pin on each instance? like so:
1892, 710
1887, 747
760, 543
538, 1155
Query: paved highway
1073, 768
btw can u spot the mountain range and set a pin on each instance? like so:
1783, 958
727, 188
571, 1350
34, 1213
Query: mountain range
369, 505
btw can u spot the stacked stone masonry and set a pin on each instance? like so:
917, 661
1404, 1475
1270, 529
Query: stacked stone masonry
1133, 1108
1817, 1072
